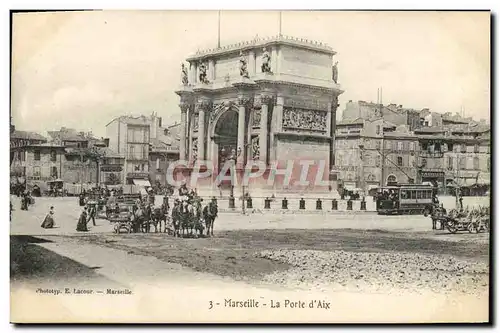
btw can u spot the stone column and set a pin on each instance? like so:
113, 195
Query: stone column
202, 106
276, 125
182, 149
266, 99
333, 121
242, 103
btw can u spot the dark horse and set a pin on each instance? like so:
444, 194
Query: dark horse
209, 214
159, 215
436, 213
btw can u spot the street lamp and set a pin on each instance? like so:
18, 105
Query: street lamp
362, 166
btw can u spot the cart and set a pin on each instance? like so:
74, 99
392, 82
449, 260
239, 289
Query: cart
121, 219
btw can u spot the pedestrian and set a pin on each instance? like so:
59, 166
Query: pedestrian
82, 221
92, 213
460, 200
48, 222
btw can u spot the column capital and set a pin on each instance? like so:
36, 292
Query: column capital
203, 105
266, 98
184, 107
244, 100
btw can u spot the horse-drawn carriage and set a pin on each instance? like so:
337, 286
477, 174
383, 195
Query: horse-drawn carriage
121, 217
475, 220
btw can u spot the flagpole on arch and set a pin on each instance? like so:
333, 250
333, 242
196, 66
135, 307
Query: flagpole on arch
218, 31
280, 24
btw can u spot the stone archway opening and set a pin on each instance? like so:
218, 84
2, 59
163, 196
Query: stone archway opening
226, 140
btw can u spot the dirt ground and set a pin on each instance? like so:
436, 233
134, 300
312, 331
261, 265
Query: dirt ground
236, 254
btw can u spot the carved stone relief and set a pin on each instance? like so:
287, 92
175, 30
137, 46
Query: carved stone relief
256, 118
195, 121
255, 148
304, 120
195, 149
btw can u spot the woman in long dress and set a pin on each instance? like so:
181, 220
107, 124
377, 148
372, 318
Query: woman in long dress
48, 222
82, 221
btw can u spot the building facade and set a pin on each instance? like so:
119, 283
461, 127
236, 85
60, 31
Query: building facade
39, 163
445, 150
373, 153
129, 137
269, 100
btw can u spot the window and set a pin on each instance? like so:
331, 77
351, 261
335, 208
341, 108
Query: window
450, 146
424, 162
53, 156
391, 179
476, 163
413, 195
437, 147
143, 167
53, 172
132, 152
404, 194
462, 163
400, 161
378, 129
412, 146
463, 148
476, 148
450, 162
137, 167
37, 155
157, 163
400, 145
419, 194
411, 180
424, 146
36, 173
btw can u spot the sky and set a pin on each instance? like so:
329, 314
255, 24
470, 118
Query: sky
82, 69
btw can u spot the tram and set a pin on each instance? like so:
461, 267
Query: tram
404, 199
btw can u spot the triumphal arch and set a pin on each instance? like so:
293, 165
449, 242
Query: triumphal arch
271, 100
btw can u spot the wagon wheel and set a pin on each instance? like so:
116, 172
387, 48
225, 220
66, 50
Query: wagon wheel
470, 227
451, 227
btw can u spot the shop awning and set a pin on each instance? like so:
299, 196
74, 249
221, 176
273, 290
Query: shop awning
141, 182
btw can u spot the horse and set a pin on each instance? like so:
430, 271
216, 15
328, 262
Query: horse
158, 215
435, 213
209, 214
176, 218
140, 219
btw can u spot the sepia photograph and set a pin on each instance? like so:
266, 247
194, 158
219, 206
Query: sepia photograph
250, 166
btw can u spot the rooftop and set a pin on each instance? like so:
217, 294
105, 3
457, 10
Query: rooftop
262, 42
26, 135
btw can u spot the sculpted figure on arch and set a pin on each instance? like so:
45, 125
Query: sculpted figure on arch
266, 62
